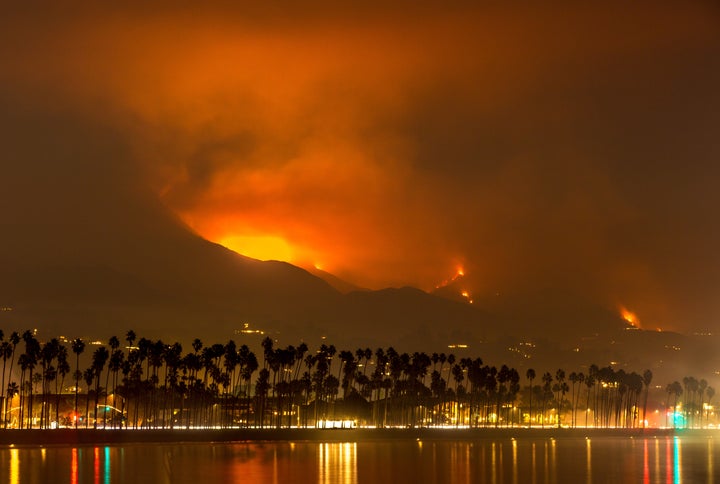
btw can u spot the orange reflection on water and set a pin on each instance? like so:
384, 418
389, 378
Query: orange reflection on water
74, 467
514, 462
711, 463
534, 465
337, 463
588, 451
646, 466
96, 465
14, 467
493, 464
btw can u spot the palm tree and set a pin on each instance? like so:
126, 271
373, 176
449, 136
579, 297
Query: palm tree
589, 383
702, 386
63, 368
78, 346
673, 389
547, 391
580, 377
100, 357
130, 337
115, 364
647, 379
13, 340
710, 392
88, 376
114, 344
6, 353
573, 379
48, 353
530, 375
32, 354
562, 388
12, 390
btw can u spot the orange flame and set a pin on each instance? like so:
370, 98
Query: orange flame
460, 272
629, 316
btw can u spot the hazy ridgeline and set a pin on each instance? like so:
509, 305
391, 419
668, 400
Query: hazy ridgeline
140, 383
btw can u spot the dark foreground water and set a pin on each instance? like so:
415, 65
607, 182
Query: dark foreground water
596, 460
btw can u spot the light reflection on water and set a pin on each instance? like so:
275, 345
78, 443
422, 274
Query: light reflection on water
652, 460
14, 466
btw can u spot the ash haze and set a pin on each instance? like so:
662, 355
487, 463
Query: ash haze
563, 155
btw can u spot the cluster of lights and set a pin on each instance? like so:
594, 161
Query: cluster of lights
246, 330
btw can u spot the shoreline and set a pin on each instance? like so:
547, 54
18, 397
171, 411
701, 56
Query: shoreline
87, 437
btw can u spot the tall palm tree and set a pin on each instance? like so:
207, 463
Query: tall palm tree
5, 354
530, 375
547, 391
78, 346
673, 389
589, 383
647, 379
114, 344
12, 390
562, 387
63, 368
99, 358
32, 354
48, 353
710, 392
702, 386
130, 337
14, 339
115, 364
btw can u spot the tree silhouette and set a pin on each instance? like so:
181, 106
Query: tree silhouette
530, 375
78, 346
224, 385
99, 358
647, 379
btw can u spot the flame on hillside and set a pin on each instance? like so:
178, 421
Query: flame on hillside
459, 273
629, 316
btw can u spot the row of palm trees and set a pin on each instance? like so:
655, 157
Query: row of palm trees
141, 383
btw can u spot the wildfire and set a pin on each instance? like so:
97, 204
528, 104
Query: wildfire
459, 273
466, 295
629, 316
261, 247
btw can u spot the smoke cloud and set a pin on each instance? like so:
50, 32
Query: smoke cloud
567, 152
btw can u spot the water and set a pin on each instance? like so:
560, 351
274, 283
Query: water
597, 460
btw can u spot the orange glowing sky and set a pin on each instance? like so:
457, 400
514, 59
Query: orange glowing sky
388, 145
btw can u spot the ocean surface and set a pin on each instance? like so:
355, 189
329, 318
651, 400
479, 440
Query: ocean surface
565, 460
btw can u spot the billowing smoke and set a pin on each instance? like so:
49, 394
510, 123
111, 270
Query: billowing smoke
557, 157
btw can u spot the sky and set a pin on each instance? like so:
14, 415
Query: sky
549, 150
